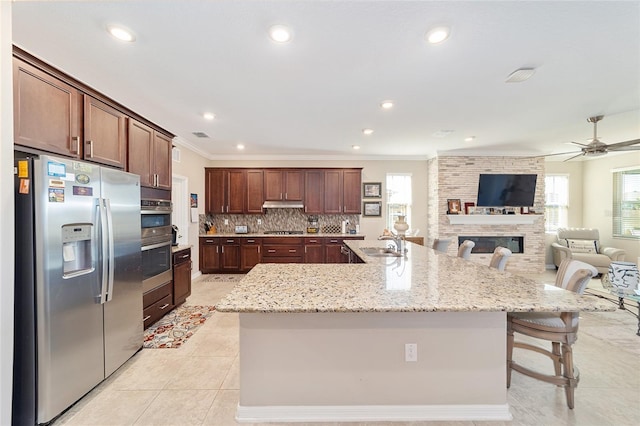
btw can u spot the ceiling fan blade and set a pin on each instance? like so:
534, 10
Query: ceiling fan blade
575, 156
578, 143
559, 153
614, 146
625, 148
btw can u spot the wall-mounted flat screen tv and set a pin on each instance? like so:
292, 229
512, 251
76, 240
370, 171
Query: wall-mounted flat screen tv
506, 190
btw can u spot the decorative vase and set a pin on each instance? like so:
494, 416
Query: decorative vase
401, 226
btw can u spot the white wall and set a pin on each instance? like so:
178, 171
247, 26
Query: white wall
192, 166
6, 214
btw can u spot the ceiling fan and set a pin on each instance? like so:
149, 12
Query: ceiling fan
596, 148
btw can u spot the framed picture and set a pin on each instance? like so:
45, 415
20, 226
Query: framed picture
453, 206
468, 207
372, 189
194, 200
372, 208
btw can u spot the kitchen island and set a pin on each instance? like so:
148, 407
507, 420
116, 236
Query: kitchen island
416, 337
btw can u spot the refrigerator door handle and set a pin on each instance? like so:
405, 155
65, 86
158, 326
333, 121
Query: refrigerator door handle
112, 256
105, 249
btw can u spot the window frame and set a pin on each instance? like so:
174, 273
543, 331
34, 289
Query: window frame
548, 229
617, 199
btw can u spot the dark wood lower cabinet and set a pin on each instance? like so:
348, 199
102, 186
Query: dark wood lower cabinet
250, 253
240, 254
157, 302
182, 266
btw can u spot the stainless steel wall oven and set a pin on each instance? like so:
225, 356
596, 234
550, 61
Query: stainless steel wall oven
156, 242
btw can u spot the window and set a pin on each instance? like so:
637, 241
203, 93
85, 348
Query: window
626, 203
398, 198
556, 198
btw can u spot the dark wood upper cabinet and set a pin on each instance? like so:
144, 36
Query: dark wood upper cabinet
342, 191
255, 191
162, 146
314, 191
140, 143
149, 155
105, 139
47, 111
283, 185
225, 190
333, 191
352, 191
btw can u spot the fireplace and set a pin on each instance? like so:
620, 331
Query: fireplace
487, 244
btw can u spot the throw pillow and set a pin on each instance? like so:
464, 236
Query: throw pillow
583, 246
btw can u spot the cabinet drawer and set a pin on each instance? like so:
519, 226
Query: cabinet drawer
250, 241
157, 293
281, 251
313, 241
156, 311
181, 256
207, 240
292, 241
281, 259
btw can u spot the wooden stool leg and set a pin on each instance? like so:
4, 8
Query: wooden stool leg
572, 383
510, 340
557, 358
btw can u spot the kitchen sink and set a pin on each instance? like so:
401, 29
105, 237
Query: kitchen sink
380, 252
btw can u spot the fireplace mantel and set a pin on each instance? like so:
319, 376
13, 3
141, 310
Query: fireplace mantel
493, 219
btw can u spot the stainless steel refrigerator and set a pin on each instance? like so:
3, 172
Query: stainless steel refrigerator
78, 287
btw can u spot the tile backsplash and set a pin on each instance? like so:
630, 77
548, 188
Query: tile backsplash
278, 219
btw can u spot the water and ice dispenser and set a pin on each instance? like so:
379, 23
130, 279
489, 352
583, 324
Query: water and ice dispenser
76, 249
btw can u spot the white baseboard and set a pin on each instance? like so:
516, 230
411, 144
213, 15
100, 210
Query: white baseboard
365, 413
195, 275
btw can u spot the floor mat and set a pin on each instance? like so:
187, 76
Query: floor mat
172, 330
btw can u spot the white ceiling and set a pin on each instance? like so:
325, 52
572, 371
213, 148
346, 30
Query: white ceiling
313, 96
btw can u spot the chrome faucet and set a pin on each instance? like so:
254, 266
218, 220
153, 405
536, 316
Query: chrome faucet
398, 240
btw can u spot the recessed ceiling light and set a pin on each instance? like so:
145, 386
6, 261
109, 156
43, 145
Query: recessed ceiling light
355, 146
121, 33
437, 35
469, 138
280, 34
209, 116
386, 104
520, 75
367, 131
240, 146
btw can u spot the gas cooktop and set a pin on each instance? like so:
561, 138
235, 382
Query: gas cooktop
284, 232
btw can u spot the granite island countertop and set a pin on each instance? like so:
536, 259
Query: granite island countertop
423, 280
263, 235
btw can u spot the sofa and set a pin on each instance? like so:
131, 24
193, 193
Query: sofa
584, 244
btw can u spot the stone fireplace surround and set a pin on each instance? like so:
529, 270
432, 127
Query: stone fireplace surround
456, 177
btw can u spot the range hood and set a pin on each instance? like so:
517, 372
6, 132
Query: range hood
283, 205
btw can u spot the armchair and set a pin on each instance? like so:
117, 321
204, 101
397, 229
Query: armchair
584, 244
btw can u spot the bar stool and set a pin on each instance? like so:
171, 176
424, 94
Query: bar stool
559, 328
441, 244
464, 251
499, 258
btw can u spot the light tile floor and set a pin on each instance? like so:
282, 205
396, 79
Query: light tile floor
198, 383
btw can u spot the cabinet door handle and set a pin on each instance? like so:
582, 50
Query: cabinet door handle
191, 265
90, 143
222, 209
258, 249
75, 144
230, 241
146, 318
313, 241
222, 249
251, 241
217, 249
293, 250
163, 307
185, 256
208, 241
333, 241
271, 251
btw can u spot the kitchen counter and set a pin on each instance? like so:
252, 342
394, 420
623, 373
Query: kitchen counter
180, 247
415, 338
422, 281
262, 234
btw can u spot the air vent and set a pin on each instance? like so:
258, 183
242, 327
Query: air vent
201, 134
